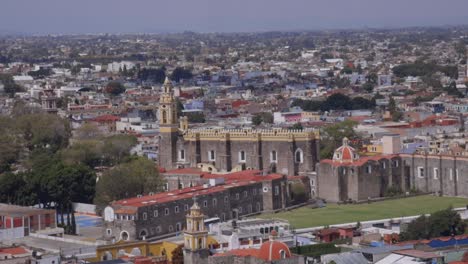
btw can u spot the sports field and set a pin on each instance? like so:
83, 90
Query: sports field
338, 214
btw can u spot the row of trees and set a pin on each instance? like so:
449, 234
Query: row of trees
420, 68
442, 223
335, 102
9, 85
264, 117
38, 166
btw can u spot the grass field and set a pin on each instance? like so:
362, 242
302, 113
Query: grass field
338, 214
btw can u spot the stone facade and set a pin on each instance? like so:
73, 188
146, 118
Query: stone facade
361, 180
350, 177
290, 152
442, 174
152, 216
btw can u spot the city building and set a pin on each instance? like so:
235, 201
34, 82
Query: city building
350, 177
290, 152
163, 214
19, 221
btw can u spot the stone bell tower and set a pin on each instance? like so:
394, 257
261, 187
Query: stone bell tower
195, 237
168, 126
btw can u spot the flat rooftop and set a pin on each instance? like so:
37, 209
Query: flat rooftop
14, 210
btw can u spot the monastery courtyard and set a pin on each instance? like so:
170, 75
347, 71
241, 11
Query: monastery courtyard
333, 214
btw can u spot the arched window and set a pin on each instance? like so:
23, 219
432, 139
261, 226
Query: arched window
143, 233
124, 235
282, 254
164, 116
182, 154
200, 243
298, 156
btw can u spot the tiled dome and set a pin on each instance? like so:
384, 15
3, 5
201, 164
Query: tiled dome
345, 153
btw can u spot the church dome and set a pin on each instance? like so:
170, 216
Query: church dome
345, 153
274, 250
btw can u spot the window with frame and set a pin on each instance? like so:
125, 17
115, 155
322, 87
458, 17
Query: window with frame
245, 194
237, 196
456, 175
186, 207
155, 213
242, 157
436, 173
369, 169
226, 199
299, 156
240, 209
420, 171
182, 154
171, 228
211, 155
395, 163
205, 203
178, 227
176, 209
274, 156
166, 211
276, 190
145, 216
215, 202
158, 229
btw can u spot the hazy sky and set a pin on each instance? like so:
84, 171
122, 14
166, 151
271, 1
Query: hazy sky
114, 16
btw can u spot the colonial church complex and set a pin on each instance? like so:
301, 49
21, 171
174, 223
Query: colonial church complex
227, 175
289, 152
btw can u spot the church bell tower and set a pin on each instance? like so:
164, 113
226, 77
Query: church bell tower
168, 126
195, 237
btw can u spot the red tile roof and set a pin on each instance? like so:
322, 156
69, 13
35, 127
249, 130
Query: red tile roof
106, 118
236, 179
361, 161
13, 251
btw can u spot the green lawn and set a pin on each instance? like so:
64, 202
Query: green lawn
338, 214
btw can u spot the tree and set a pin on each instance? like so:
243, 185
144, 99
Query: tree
178, 255
298, 193
156, 75
10, 87
336, 101
263, 117
368, 87
43, 131
179, 107
297, 126
256, 120
332, 137
362, 103
117, 147
180, 73
441, 223
392, 108
114, 88
129, 179
196, 117
10, 143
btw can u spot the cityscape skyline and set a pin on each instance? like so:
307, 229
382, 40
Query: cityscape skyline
145, 16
